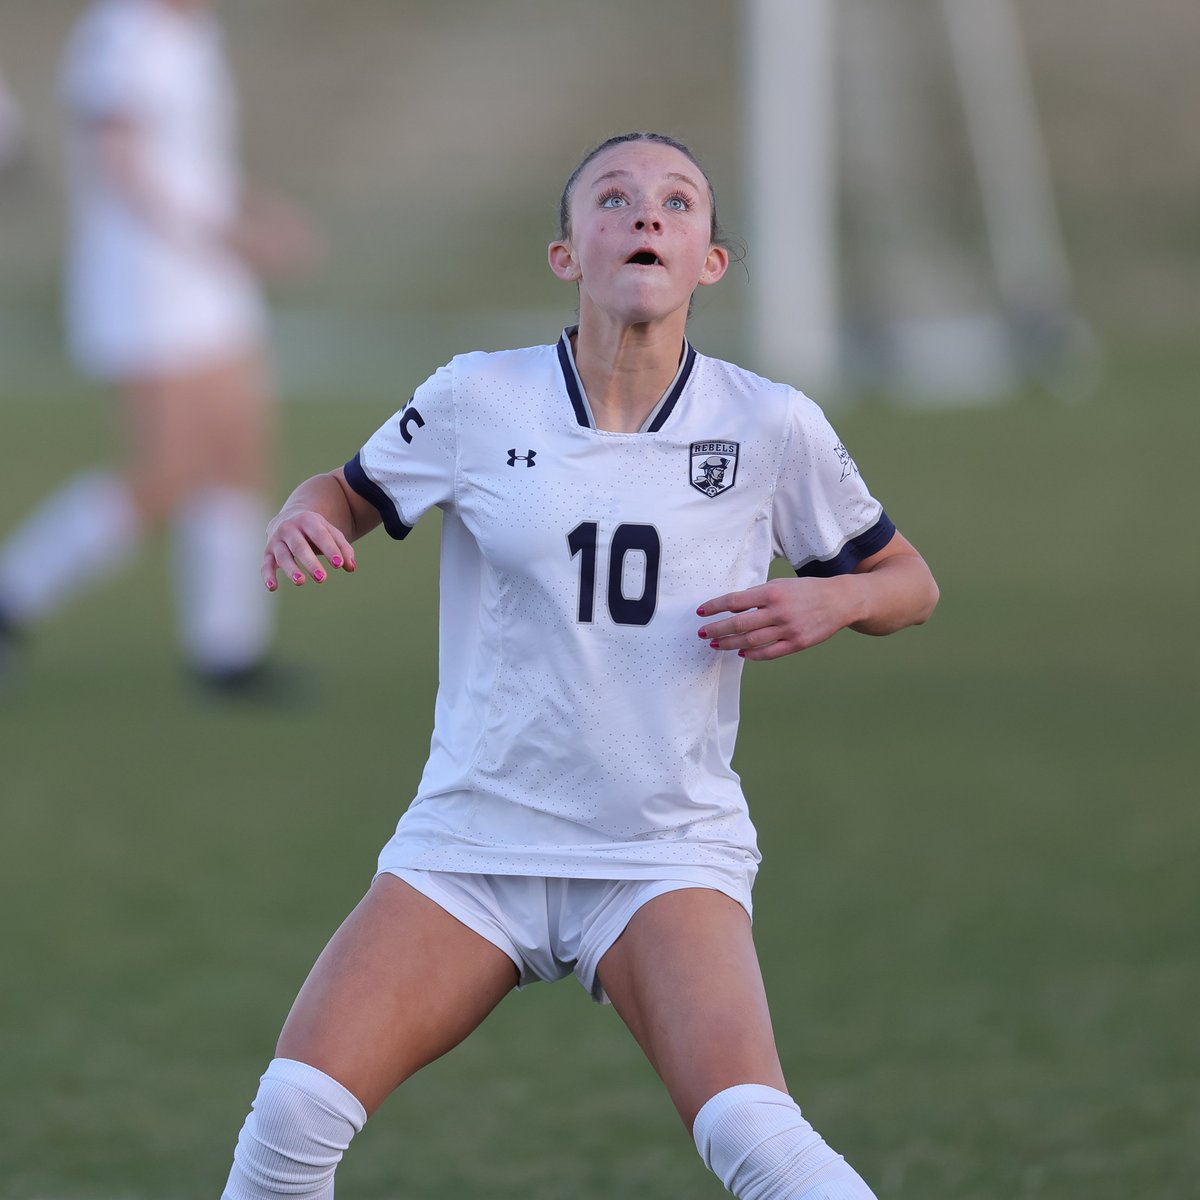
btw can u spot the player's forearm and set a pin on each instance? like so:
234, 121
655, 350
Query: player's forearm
330, 497
896, 592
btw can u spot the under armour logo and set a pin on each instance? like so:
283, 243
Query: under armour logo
527, 459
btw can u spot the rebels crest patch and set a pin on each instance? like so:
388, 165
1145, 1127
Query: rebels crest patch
712, 467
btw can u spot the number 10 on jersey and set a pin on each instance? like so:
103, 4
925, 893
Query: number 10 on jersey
640, 541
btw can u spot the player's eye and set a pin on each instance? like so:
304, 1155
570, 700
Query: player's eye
612, 199
678, 203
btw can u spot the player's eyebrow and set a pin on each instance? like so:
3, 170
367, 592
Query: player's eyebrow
618, 173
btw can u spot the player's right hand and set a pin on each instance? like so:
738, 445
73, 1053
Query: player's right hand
296, 542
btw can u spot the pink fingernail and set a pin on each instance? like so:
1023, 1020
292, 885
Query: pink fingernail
271, 585
335, 561
702, 633
298, 577
700, 611
319, 575
715, 645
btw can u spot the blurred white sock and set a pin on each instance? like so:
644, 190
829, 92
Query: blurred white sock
80, 534
225, 614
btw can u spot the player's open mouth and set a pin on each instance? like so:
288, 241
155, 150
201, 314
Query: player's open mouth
644, 258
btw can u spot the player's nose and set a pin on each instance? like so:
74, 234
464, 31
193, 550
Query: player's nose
646, 217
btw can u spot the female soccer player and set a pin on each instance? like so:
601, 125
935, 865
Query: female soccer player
578, 812
164, 306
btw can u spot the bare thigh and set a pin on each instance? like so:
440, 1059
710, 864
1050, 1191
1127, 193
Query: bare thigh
685, 979
399, 984
211, 426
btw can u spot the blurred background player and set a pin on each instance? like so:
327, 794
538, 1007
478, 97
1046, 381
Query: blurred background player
162, 303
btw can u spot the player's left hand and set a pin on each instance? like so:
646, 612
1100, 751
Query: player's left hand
778, 617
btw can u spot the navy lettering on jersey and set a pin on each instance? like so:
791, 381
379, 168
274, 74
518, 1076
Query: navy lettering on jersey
627, 539
582, 541
633, 539
410, 416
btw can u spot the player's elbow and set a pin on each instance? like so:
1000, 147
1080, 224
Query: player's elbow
913, 604
926, 611
923, 598
928, 601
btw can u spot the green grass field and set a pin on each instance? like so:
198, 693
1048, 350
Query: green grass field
977, 912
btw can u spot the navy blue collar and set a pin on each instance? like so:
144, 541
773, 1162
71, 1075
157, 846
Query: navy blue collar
662, 411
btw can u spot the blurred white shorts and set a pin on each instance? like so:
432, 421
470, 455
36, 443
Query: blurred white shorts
553, 927
159, 314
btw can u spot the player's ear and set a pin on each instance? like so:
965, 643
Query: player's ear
562, 262
715, 265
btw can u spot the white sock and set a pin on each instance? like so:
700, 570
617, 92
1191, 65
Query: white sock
225, 614
77, 536
754, 1139
297, 1131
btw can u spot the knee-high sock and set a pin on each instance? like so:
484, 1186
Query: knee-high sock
297, 1131
81, 533
225, 615
757, 1143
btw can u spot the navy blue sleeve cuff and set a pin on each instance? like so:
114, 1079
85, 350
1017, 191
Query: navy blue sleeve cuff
852, 553
374, 495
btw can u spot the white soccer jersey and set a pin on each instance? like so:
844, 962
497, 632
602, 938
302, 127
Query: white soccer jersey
139, 299
581, 726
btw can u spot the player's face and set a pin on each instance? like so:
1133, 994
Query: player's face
641, 223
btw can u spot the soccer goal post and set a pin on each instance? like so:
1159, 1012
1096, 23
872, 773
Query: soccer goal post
950, 317
792, 170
